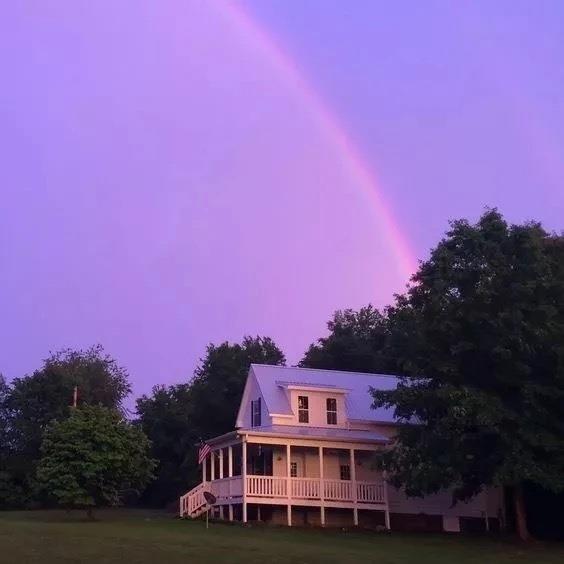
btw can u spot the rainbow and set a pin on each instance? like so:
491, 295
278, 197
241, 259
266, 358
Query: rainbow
359, 171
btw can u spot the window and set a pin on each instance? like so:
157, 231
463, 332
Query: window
303, 409
293, 469
345, 472
256, 415
331, 411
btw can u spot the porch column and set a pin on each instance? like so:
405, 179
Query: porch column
353, 487
387, 511
288, 485
230, 512
220, 463
244, 476
204, 470
321, 487
212, 462
230, 461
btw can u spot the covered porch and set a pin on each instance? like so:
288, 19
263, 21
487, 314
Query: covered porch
248, 470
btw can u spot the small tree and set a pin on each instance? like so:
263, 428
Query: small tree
90, 459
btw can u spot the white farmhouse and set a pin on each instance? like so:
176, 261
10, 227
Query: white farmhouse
301, 454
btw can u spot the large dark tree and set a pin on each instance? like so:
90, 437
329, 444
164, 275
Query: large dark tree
11, 471
219, 380
166, 418
481, 335
32, 402
356, 342
176, 418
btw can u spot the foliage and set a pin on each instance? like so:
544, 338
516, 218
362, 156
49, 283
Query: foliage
166, 418
92, 458
34, 401
176, 418
30, 403
356, 342
219, 380
481, 333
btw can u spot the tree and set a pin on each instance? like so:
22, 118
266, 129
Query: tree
480, 332
177, 417
11, 489
92, 458
32, 402
356, 342
219, 380
166, 418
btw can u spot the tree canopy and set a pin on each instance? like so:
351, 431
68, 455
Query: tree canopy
92, 458
178, 417
480, 335
356, 342
30, 403
166, 418
35, 400
219, 380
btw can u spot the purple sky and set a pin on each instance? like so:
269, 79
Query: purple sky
165, 182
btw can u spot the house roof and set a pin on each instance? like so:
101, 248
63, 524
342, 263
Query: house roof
317, 433
273, 379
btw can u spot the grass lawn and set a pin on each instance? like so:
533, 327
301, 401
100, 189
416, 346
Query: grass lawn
141, 537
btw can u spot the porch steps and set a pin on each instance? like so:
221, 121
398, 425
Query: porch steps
193, 503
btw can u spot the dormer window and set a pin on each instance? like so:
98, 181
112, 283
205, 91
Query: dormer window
303, 409
256, 415
331, 411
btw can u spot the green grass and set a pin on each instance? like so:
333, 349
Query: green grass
141, 537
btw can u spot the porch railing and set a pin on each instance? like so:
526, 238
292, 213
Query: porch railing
311, 488
227, 487
267, 486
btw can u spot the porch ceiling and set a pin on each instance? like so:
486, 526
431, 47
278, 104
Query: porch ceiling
316, 433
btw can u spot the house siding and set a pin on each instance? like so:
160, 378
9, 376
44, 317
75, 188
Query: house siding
441, 504
252, 392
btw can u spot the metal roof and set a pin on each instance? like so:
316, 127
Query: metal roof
358, 401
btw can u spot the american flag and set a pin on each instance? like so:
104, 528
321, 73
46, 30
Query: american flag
203, 452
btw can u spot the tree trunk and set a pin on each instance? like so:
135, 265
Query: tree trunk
520, 514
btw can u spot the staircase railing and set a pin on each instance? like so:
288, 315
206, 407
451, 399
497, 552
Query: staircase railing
193, 500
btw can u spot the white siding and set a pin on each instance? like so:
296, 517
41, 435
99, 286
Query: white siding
441, 504
252, 392
317, 408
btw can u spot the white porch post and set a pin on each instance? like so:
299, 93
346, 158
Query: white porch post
244, 477
212, 463
220, 463
288, 485
204, 470
353, 485
321, 487
387, 511
230, 461
230, 512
